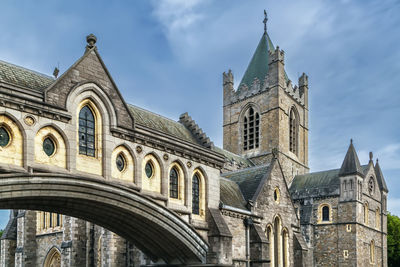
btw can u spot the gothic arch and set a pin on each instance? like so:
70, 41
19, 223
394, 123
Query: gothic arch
294, 123
18, 141
60, 158
201, 174
249, 127
53, 258
182, 180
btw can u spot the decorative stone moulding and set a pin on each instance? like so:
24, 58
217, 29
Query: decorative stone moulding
29, 120
189, 164
166, 157
139, 149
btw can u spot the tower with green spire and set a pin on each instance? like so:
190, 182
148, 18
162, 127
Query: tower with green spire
265, 111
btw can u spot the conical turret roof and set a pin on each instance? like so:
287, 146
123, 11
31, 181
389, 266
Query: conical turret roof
351, 163
380, 178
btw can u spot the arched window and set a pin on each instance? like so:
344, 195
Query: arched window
372, 252
86, 132
293, 131
53, 258
270, 238
366, 213
285, 248
325, 214
196, 194
377, 218
277, 241
251, 129
173, 184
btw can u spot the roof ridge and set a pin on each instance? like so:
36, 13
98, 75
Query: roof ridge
337, 169
256, 167
26, 69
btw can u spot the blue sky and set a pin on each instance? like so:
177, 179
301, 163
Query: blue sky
168, 56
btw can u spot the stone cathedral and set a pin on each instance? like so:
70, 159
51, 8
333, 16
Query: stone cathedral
251, 203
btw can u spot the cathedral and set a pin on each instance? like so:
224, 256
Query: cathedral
253, 202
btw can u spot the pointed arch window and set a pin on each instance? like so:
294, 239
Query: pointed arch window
86, 132
372, 252
196, 194
251, 129
173, 183
293, 131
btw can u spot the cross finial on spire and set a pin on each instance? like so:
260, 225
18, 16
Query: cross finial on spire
265, 21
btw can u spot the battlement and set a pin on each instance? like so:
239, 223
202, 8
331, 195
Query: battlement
196, 131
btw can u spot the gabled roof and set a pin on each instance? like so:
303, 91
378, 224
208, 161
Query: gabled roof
380, 178
351, 163
233, 158
22, 77
258, 66
248, 179
157, 122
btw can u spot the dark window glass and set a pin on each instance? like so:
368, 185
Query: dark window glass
51, 220
251, 129
86, 132
120, 162
173, 183
44, 220
149, 169
325, 213
4, 137
58, 219
196, 195
275, 195
293, 132
48, 146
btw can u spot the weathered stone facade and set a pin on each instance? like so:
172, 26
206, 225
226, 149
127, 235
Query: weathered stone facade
169, 193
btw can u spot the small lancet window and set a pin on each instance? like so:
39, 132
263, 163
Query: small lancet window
293, 132
251, 129
173, 183
86, 132
325, 214
196, 194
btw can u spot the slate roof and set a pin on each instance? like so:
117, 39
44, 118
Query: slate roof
318, 184
248, 179
19, 76
230, 194
231, 157
162, 124
351, 163
380, 178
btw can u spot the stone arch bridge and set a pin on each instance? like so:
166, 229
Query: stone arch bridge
154, 229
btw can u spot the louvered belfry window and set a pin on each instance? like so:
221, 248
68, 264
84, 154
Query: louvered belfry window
196, 195
86, 132
251, 129
173, 183
293, 131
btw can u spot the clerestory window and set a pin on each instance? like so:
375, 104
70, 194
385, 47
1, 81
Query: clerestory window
173, 183
86, 132
251, 129
196, 195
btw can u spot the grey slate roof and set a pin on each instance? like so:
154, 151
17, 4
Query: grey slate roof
162, 124
351, 163
231, 195
231, 157
19, 76
248, 179
380, 178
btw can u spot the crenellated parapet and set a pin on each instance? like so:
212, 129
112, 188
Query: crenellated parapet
196, 131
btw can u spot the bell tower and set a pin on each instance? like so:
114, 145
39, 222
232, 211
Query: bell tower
267, 112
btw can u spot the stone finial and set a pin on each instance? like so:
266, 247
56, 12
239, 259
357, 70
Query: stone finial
371, 155
91, 40
55, 72
228, 78
275, 152
303, 80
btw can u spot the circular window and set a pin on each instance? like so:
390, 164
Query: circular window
4, 137
276, 195
149, 169
120, 162
49, 146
